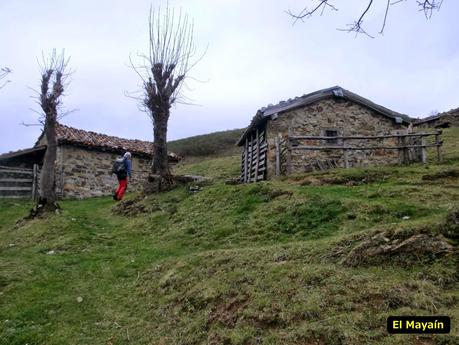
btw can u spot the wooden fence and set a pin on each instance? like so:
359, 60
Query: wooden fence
407, 151
19, 182
253, 166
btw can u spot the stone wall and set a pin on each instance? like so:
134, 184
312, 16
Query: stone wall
84, 173
348, 119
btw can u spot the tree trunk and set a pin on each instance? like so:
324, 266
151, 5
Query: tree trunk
47, 184
160, 178
160, 164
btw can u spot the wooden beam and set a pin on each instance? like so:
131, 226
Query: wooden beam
319, 148
303, 137
277, 156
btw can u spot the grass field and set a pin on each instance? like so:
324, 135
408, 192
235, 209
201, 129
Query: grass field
268, 263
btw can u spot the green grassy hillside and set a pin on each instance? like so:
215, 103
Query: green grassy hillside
321, 258
212, 144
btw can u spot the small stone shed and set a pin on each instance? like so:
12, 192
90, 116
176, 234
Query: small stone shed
84, 161
331, 112
442, 120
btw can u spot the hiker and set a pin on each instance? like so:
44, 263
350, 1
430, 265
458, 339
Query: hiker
122, 168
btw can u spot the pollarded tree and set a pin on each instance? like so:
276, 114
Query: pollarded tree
53, 83
4, 71
163, 72
425, 6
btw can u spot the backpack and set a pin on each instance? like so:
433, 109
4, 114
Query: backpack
119, 169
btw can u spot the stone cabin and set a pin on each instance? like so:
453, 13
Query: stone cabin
84, 161
442, 120
327, 113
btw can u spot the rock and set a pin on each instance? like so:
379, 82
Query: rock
79, 299
450, 228
51, 252
195, 189
233, 181
73, 219
189, 178
11, 245
405, 217
381, 246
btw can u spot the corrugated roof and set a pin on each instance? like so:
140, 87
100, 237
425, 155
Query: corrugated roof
335, 91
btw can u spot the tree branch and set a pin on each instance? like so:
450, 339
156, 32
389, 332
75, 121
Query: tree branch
4, 71
426, 6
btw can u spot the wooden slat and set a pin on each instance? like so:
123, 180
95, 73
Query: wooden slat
16, 188
17, 180
246, 160
257, 160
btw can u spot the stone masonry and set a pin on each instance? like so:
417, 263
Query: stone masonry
346, 118
83, 172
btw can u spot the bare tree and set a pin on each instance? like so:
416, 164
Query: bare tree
425, 6
163, 72
53, 82
4, 71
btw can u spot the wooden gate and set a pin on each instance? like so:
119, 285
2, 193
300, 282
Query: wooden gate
253, 167
18, 182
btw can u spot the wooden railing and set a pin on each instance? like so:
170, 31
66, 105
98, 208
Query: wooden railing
343, 144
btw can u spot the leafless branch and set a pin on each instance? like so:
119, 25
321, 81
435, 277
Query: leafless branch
30, 124
305, 13
427, 6
171, 56
4, 71
54, 80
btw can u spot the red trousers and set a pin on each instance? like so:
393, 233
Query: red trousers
121, 189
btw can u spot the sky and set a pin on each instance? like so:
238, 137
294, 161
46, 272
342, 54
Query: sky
255, 56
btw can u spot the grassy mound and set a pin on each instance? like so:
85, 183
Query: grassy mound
278, 262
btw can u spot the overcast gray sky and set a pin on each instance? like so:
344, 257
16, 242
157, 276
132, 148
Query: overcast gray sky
255, 57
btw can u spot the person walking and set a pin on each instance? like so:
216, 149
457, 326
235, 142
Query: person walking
122, 168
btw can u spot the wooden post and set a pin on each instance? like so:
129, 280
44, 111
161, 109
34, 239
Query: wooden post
246, 157
289, 152
423, 150
437, 142
277, 156
346, 158
404, 152
35, 182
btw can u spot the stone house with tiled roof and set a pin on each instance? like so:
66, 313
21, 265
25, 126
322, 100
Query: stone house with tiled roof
84, 161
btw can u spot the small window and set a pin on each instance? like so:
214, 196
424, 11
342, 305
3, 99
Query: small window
331, 133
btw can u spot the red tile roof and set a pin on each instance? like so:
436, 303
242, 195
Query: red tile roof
70, 135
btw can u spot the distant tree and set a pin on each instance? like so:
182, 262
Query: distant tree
434, 112
426, 6
4, 71
163, 72
54, 81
